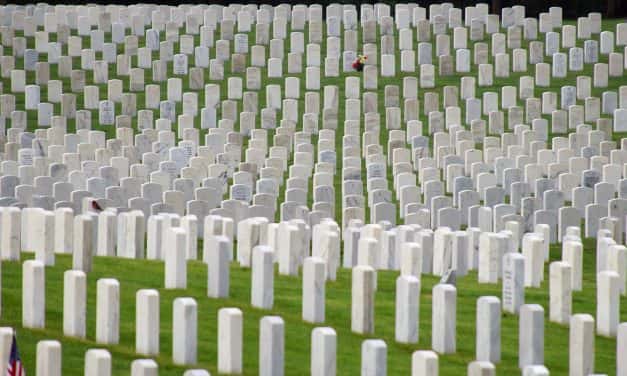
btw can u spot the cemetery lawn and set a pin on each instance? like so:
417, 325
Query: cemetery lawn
140, 274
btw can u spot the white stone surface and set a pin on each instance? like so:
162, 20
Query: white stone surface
184, 331
230, 340
33, 294
107, 311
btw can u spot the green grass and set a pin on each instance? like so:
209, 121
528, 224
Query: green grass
288, 305
135, 275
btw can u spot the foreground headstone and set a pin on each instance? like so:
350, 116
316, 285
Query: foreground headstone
196, 372
535, 370
144, 367
49, 358
184, 331
271, 346
581, 345
262, 289
488, 329
608, 303
531, 335
147, 320
97, 362
323, 352
481, 368
362, 299
230, 340
33, 294
74, 303
443, 319
218, 273
314, 270
373, 357
424, 363
6, 341
621, 347
175, 259
107, 311
407, 309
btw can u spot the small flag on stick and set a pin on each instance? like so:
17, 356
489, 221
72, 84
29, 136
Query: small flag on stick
15, 367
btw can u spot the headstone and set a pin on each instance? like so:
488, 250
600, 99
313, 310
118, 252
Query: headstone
560, 292
323, 351
98, 362
373, 357
271, 346
407, 308
314, 270
175, 259
48, 358
262, 293
531, 335
33, 294
108, 311
424, 362
608, 296
230, 340
488, 347
74, 303
184, 331
581, 344
147, 322
362, 296
444, 319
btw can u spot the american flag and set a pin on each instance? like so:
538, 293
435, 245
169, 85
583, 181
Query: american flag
15, 367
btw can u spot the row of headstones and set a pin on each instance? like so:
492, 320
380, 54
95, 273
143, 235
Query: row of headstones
571, 116
98, 362
561, 120
437, 211
118, 173
578, 57
565, 114
11, 183
487, 189
253, 79
486, 74
122, 163
534, 105
602, 190
495, 255
464, 59
500, 44
297, 39
112, 19
531, 324
115, 20
235, 92
377, 246
104, 234
34, 52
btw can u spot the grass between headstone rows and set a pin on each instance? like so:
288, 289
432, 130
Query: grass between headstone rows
141, 274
